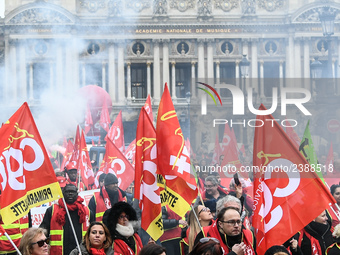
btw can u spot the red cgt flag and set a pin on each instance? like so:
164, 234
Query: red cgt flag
67, 155
84, 164
23, 161
116, 133
287, 195
88, 120
130, 153
116, 163
146, 188
148, 108
173, 158
105, 117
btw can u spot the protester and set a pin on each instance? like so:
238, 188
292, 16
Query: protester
277, 250
121, 220
172, 231
58, 225
207, 246
239, 192
108, 195
316, 236
72, 174
334, 249
152, 249
129, 193
97, 241
101, 180
199, 217
35, 242
333, 212
213, 192
228, 229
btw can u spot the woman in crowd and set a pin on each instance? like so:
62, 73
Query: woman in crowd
204, 217
34, 242
207, 246
121, 219
335, 191
152, 249
97, 241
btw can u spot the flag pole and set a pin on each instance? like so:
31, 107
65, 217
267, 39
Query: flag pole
196, 217
13, 244
74, 232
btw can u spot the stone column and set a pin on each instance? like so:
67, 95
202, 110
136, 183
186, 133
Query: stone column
210, 61
53, 88
7, 71
254, 67
306, 63
104, 76
59, 68
157, 86
75, 64
297, 58
31, 97
193, 79
290, 58
218, 76
261, 79
173, 78
22, 72
200, 57
121, 74
281, 75
237, 73
112, 73
148, 77
13, 88
166, 76
128, 80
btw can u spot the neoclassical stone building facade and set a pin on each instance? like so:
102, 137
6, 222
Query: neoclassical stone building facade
131, 48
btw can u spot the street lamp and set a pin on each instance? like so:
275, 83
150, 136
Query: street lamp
244, 66
327, 17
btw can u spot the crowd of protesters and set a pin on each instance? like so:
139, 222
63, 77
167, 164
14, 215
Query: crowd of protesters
218, 223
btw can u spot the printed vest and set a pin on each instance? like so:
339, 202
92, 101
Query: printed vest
13, 230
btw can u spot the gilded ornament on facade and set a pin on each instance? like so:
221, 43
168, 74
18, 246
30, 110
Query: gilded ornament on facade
39, 15
138, 5
204, 8
271, 5
160, 7
226, 5
92, 5
182, 5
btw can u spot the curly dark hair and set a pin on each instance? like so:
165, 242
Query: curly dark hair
333, 188
276, 248
111, 216
152, 249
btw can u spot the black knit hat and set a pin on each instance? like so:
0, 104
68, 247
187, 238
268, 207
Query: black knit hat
110, 179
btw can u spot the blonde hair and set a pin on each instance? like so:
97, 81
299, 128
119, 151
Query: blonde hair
25, 246
194, 227
336, 232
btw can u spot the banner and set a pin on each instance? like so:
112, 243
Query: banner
146, 189
105, 117
84, 164
173, 158
287, 192
116, 133
26, 173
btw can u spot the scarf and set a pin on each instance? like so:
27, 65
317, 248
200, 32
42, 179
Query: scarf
106, 197
125, 231
77, 205
94, 251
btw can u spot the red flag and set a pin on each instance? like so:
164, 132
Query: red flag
116, 133
287, 194
27, 175
76, 145
173, 157
84, 164
217, 152
146, 188
105, 117
292, 134
88, 120
130, 153
116, 163
148, 108
332, 177
67, 155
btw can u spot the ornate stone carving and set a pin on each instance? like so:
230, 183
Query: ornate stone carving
160, 7
271, 5
138, 5
92, 5
226, 5
312, 15
204, 8
248, 6
39, 15
182, 5
115, 8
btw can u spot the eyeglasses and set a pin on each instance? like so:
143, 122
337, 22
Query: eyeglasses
232, 222
123, 216
207, 239
209, 186
42, 242
204, 209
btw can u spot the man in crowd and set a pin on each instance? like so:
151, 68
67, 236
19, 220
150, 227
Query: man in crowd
233, 237
72, 174
57, 223
108, 195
